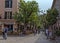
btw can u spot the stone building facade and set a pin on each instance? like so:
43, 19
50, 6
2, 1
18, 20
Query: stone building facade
56, 4
7, 10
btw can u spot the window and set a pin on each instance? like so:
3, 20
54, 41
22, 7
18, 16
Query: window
8, 3
5, 15
8, 15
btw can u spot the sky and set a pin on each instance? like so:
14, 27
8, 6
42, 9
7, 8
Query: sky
44, 4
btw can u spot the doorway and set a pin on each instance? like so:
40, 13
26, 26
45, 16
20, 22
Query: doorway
10, 27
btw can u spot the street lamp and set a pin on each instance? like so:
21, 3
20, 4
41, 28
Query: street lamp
43, 11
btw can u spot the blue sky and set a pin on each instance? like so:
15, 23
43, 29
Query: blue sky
44, 4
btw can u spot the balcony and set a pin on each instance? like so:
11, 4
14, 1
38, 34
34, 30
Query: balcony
7, 21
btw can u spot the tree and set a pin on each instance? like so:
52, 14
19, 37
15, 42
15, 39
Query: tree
28, 12
51, 16
51, 19
42, 20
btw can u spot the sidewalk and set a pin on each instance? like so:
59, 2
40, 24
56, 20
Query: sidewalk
17, 39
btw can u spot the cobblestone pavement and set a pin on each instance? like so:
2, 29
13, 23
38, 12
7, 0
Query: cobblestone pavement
17, 39
42, 39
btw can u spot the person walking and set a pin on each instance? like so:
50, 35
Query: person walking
34, 31
50, 34
5, 30
38, 30
47, 33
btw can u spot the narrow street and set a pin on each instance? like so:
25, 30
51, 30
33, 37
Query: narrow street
41, 38
20, 39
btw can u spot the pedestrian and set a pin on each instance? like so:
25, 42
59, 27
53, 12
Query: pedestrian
50, 34
34, 31
47, 33
5, 30
38, 30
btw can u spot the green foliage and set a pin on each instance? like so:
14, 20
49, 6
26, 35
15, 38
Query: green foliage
48, 19
51, 16
42, 21
28, 12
